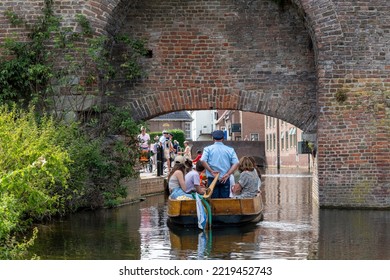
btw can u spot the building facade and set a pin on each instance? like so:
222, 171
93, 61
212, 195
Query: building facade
176, 120
203, 124
281, 144
240, 126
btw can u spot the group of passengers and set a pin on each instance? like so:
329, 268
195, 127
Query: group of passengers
183, 180
237, 178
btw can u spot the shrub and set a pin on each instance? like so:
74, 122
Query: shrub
33, 176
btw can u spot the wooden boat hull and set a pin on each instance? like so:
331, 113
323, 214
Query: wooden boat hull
221, 240
225, 211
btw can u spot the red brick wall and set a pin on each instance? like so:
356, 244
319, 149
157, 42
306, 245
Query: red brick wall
223, 54
293, 63
252, 123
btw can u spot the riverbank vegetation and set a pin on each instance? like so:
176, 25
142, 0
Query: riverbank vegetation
50, 164
49, 168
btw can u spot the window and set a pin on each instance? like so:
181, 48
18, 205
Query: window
274, 142
254, 137
286, 138
292, 133
295, 136
268, 144
282, 140
187, 130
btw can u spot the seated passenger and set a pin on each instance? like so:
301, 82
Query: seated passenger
176, 182
257, 170
193, 179
198, 156
248, 182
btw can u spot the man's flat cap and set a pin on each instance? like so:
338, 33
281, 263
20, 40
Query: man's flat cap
218, 134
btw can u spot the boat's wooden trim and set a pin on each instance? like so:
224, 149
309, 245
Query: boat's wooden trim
219, 206
210, 189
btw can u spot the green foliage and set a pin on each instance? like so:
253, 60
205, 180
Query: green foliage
134, 50
33, 175
46, 167
100, 162
121, 122
50, 168
32, 71
121, 127
85, 25
341, 95
31, 164
178, 135
14, 249
25, 74
153, 134
13, 18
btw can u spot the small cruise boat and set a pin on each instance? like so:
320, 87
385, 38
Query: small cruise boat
220, 211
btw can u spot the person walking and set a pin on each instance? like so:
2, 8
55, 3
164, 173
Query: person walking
154, 148
222, 159
187, 150
144, 145
165, 144
171, 149
143, 140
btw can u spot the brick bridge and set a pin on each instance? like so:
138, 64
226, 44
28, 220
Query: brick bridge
321, 65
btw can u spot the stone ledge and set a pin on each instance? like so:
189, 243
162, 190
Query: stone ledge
137, 188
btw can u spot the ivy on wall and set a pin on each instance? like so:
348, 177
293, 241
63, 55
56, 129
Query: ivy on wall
49, 167
57, 60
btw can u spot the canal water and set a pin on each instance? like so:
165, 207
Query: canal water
293, 228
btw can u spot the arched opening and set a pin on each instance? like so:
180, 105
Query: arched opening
250, 57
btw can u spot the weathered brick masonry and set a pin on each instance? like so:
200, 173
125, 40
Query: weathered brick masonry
296, 63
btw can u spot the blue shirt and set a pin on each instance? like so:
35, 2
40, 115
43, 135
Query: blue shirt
219, 157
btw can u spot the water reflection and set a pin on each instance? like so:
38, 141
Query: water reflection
290, 230
102, 234
354, 235
226, 243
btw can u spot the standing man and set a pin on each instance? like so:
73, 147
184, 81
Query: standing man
154, 148
222, 159
165, 143
171, 150
144, 141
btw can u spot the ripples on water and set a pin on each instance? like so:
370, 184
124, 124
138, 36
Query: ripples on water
290, 230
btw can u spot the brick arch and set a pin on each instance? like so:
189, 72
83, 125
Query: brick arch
110, 17
322, 22
243, 55
258, 59
107, 16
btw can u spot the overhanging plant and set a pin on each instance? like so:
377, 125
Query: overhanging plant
56, 60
